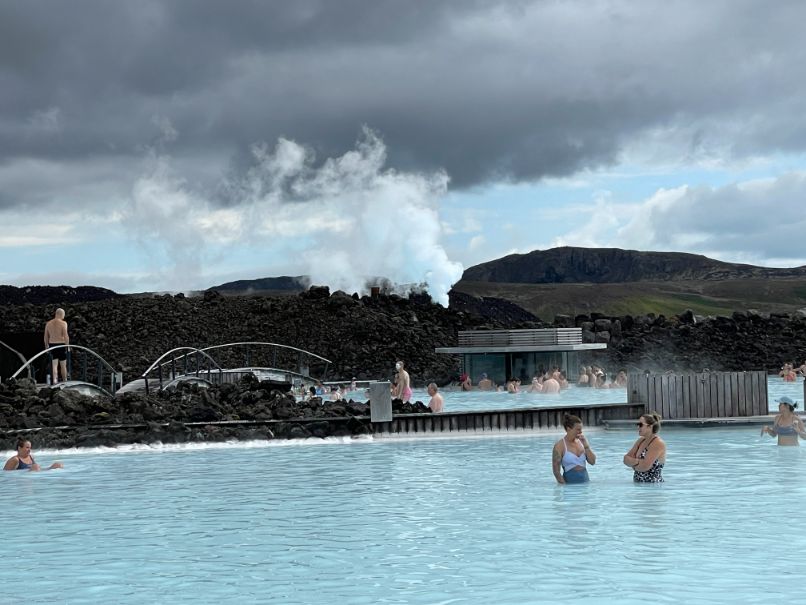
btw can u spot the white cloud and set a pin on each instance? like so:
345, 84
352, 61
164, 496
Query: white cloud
750, 221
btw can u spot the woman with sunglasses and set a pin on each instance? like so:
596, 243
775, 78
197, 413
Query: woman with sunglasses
648, 454
573, 453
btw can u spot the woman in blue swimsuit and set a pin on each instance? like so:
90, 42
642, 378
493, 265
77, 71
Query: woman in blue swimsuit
24, 461
648, 454
787, 426
572, 453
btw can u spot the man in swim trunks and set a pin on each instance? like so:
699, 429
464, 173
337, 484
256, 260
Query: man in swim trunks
55, 336
403, 388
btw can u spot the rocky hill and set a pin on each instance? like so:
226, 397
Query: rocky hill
281, 284
12, 295
614, 265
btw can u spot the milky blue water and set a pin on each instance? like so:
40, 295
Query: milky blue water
456, 401
465, 520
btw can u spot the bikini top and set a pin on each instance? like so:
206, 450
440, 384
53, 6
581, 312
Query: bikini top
570, 459
785, 430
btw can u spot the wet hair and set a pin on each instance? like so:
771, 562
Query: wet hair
433, 385
652, 419
21, 441
569, 420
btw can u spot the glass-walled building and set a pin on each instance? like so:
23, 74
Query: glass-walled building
522, 354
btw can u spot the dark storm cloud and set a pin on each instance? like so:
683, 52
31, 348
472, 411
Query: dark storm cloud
485, 90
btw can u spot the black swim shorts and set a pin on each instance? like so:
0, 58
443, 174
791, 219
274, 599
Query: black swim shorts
60, 354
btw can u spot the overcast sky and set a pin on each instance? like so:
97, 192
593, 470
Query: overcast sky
175, 145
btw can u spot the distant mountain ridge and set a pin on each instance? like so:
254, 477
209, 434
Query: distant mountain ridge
283, 283
568, 265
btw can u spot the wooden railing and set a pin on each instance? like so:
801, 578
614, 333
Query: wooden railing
701, 395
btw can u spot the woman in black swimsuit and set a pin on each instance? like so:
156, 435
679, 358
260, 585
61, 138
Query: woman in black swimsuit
648, 454
24, 461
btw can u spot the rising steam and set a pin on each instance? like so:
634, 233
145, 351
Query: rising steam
349, 220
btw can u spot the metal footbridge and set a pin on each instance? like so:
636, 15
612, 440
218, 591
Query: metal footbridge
280, 365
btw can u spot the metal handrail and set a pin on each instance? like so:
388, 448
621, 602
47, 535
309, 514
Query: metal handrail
187, 350
20, 355
270, 344
50, 350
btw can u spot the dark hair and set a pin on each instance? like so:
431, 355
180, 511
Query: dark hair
569, 420
21, 441
652, 419
791, 406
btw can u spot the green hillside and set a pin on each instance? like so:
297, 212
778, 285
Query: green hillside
712, 297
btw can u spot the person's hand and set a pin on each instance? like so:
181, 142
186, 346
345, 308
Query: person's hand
36, 467
583, 440
57, 465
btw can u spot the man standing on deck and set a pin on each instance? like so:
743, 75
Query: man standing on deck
56, 335
403, 389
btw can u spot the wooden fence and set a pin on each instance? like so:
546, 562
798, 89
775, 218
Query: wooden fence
505, 420
701, 395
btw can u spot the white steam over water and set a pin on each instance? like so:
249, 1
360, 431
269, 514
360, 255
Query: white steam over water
341, 221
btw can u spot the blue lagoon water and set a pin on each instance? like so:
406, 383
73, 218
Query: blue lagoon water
475, 401
463, 520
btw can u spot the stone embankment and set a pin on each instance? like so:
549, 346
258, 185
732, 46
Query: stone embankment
364, 336
247, 410
743, 341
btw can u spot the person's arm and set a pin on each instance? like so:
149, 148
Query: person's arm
56, 464
630, 458
770, 430
656, 450
11, 464
66, 335
45, 336
556, 458
590, 456
799, 427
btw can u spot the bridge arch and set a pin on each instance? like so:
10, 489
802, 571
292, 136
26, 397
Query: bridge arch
101, 366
